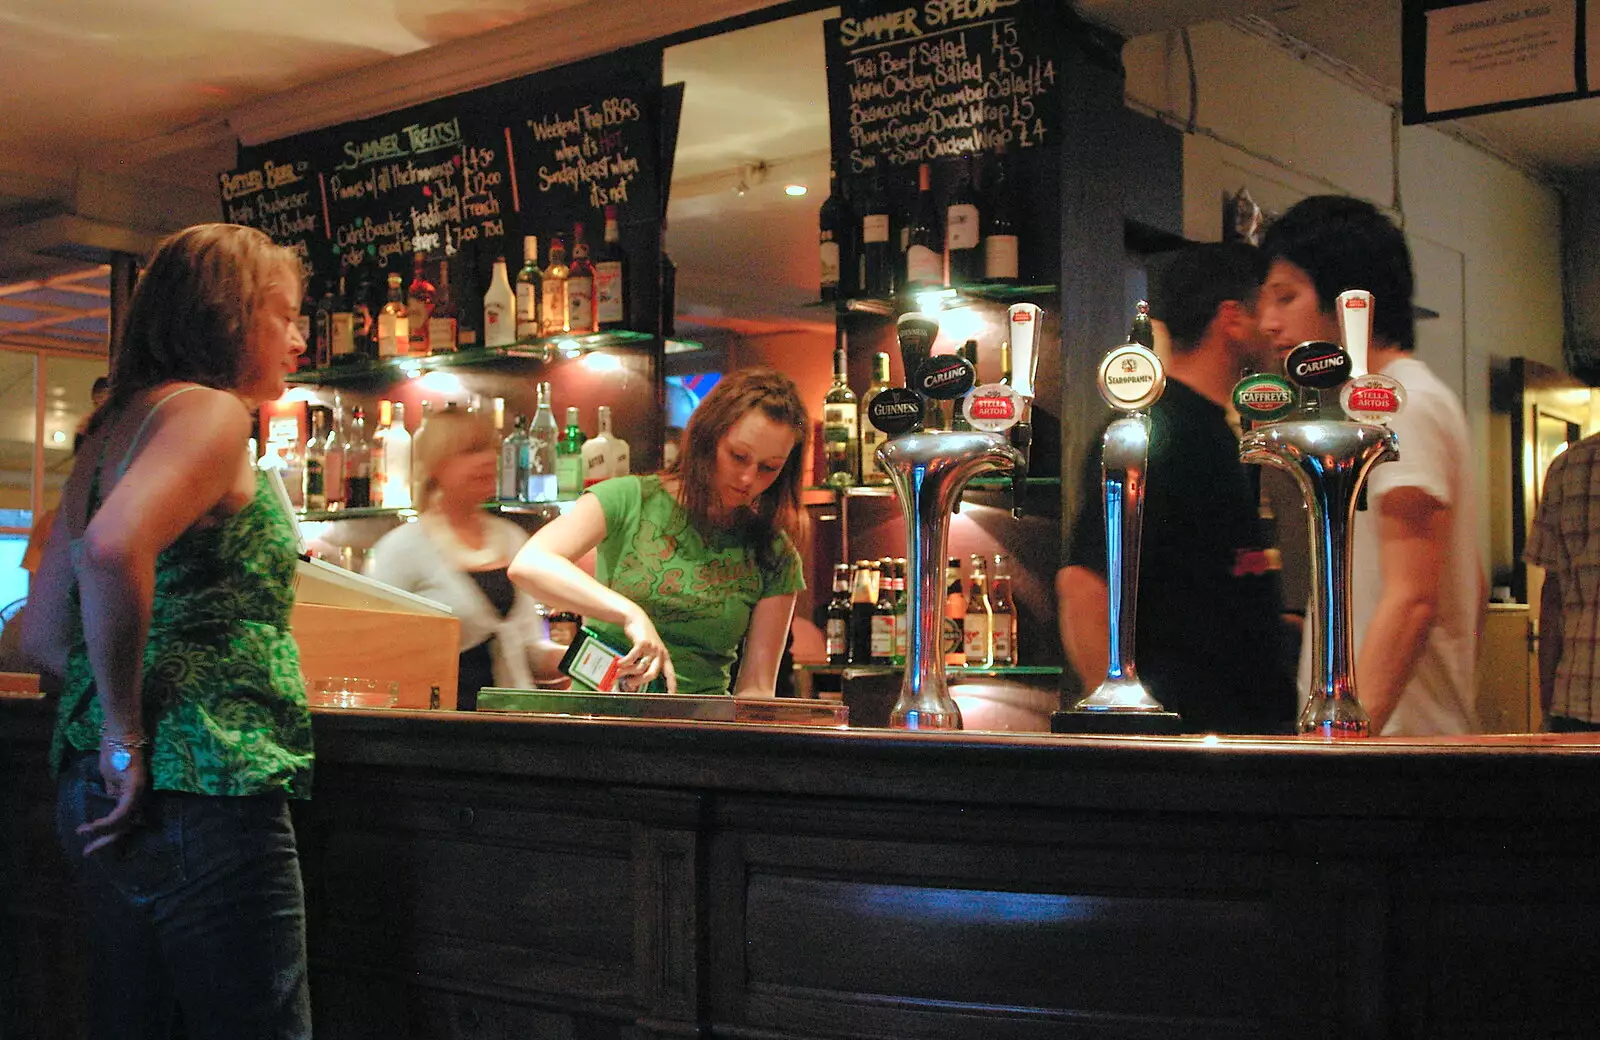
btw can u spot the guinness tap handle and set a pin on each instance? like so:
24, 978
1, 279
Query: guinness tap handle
1022, 324
1354, 307
916, 333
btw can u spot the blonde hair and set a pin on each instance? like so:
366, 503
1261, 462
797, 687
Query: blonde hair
192, 311
443, 436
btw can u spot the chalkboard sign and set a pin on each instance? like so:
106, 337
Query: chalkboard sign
919, 82
470, 175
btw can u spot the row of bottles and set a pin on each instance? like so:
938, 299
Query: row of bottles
889, 239
343, 321
345, 468
867, 625
541, 462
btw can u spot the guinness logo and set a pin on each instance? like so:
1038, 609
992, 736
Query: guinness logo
895, 411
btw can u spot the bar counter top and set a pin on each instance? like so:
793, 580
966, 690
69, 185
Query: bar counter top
522, 875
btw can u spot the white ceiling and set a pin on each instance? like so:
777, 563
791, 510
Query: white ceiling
118, 115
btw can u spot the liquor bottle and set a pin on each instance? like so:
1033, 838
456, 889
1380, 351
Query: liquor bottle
313, 494
513, 473
394, 323
863, 601
1005, 614
342, 321
831, 221
357, 463
840, 447
963, 255
555, 313
499, 309
955, 615
902, 630
837, 628
322, 327
420, 298
877, 251
978, 624
397, 462
442, 318
380, 434
569, 458
883, 616
605, 454
870, 436
580, 285
333, 458
924, 244
469, 316
364, 327
542, 436
1141, 331
611, 277
530, 290
1000, 235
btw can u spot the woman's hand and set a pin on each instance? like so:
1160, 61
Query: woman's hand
125, 769
649, 656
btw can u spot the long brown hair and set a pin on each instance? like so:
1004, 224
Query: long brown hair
777, 510
193, 309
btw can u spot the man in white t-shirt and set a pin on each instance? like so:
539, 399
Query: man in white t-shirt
1417, 590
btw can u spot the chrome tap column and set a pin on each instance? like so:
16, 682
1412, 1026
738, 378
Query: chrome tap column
1330, 460
928, 471
1131, 379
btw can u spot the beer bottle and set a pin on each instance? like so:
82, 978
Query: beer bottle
902, 631
955, 615
883, 616
838, 624
978, 626
863, 601
1005, 614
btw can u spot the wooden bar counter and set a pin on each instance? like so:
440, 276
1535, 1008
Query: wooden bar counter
517, 876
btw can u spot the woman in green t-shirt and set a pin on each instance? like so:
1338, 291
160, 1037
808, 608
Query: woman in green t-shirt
696, 560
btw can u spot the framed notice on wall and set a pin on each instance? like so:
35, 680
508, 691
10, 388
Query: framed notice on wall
1468, 58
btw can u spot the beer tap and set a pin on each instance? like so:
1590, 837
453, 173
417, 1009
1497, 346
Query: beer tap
1130, 380
1330, 460
1020, 350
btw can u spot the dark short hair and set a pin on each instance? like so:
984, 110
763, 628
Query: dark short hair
1187, 287
736, 395
1344, 243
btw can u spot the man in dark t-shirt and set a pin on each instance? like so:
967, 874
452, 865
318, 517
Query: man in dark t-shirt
1208, 633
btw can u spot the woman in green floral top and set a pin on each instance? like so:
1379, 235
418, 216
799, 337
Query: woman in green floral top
162, 609
695, 561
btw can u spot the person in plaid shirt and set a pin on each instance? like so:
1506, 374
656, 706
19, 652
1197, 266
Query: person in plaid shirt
1563, 543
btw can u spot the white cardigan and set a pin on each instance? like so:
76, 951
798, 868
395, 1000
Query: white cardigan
408, 559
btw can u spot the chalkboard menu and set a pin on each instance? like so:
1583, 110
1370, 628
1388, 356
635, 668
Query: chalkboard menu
470, 174
919, 82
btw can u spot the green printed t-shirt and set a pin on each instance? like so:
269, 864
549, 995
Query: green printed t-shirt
223, 699
698, 591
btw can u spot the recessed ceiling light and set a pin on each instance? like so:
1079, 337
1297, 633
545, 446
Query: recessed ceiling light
794, 189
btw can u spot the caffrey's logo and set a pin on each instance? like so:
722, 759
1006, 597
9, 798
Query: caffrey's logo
1263, 398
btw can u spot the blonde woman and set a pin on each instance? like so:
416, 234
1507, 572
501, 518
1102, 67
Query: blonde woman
456, 554
162, 607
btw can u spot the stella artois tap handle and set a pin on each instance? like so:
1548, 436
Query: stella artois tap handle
1354, 307
1022, 326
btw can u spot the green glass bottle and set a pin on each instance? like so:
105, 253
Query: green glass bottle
569, 458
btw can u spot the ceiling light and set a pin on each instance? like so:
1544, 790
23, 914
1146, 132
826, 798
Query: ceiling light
60, 437
794, 189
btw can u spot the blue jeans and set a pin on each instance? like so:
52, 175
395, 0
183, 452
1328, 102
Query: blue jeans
198, 911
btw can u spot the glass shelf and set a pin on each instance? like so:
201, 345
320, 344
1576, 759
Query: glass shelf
858, 671
369, 371
563, 505
976, 484
953, 296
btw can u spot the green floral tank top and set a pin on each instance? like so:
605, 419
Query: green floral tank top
223, 699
